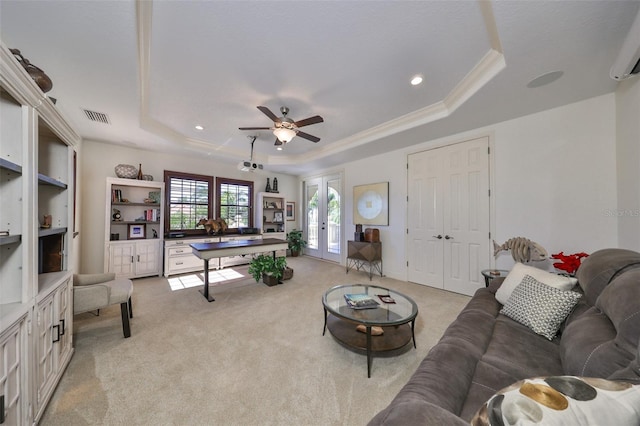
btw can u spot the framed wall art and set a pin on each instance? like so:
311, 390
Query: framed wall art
277, 217
136, 232
371, 204
291, 210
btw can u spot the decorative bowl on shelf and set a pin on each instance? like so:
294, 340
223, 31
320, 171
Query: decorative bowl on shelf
126, 171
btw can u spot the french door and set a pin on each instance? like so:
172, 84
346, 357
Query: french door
323, 220
448, 216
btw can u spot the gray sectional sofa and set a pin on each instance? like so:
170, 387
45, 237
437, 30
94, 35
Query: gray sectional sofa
484, 351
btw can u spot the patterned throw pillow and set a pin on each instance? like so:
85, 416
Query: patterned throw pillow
540, 307
562, 400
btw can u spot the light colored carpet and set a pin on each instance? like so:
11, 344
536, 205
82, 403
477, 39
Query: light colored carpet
255, 356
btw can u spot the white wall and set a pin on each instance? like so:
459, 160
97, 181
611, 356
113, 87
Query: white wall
554, 179
98, 162
628, 136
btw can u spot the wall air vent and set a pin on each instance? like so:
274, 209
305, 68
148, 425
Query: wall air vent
97, 116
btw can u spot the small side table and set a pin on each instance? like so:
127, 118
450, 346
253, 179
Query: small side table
361, 253
490, 274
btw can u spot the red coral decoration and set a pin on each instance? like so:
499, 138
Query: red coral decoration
568, 263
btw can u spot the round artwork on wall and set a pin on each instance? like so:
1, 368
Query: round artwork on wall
369, 204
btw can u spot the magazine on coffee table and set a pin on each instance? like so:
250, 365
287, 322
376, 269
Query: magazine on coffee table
360, 301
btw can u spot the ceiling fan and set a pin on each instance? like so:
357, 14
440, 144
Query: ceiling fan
285, 128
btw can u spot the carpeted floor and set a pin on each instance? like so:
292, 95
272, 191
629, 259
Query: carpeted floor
255, 356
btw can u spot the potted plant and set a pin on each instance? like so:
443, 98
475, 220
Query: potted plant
268, 268
296, 242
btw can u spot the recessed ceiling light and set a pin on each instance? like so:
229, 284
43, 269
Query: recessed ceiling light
199, 127
279, 148
545, 79
416, 80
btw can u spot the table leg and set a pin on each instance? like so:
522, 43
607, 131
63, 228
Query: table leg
325, 321
369, 351
413, 335
205, 290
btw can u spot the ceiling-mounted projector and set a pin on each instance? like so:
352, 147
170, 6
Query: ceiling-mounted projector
248, 166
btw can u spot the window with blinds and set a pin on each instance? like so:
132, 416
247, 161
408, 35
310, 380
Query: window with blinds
234, 202
189, 198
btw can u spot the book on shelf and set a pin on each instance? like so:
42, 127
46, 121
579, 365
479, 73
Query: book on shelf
360, 301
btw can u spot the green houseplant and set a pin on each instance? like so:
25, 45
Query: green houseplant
296, 242
268, 268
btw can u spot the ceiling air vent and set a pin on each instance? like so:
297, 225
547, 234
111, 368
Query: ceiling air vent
97, 116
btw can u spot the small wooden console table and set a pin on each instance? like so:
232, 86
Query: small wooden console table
363, 253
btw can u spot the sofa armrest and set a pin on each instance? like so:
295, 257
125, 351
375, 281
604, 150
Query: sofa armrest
416, 412
90, 297
495, 284
89, 279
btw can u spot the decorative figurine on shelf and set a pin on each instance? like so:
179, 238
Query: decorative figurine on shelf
117, 217
275, 184
268, 188
155, 233
46, 221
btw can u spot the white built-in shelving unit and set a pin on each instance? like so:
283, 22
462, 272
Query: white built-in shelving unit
134, 240
37, 149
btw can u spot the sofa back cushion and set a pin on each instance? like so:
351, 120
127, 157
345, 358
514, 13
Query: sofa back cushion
604, 339
601, 267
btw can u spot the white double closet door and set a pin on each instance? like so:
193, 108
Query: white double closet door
448, 242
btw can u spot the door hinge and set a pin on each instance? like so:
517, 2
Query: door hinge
489, 150
489, 191
29, 327
489, 234
407, 231
407, 263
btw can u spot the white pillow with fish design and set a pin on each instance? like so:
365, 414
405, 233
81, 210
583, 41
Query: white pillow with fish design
519, 271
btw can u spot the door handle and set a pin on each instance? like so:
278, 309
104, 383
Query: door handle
437, 236
63, 327
57, 338
446, 237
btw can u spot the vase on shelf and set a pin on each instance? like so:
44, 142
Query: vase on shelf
268, 188
140, 175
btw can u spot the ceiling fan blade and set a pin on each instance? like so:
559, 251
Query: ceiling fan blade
254, 128
278, 142
307, 121
266, 111
309, 137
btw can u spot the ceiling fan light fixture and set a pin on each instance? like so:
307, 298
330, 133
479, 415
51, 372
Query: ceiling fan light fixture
284, 134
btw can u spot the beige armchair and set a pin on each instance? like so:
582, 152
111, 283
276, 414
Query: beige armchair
95, 291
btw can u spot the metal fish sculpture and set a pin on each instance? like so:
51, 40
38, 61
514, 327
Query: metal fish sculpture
522, 250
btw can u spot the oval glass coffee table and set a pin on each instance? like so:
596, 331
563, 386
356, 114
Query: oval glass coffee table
396, 319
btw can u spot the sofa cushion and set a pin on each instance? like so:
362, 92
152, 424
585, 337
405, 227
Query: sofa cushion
605, 339
540, 307
601, 267
519, 271
562, 400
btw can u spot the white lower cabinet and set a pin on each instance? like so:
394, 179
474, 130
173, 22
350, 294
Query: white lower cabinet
241, 259
179, 258
133, 259
53, 334
14, 361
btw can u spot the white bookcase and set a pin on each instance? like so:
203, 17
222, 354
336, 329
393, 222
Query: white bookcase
134, 240
270, 216
37, 149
